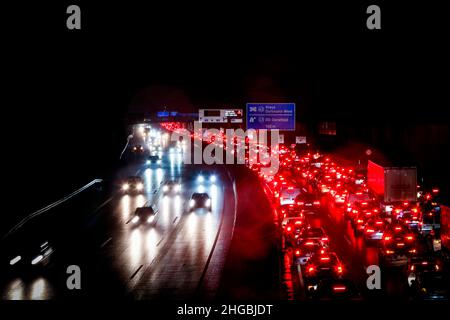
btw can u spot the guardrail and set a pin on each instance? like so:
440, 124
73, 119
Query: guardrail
50, 206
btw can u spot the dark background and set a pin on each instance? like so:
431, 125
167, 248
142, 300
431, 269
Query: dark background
67, 93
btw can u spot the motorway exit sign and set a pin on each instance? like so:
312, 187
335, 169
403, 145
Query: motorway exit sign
271, 116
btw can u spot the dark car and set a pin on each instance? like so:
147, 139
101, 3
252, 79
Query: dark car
322, 266
30, 256
331, 289
153, 158
137, 149
200, 200
133, 184
314, 234
431, 286
144, 216
306, 249
171, 187
309, 203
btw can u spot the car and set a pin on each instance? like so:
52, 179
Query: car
419, 265
204, 177
292, 227
357, 207
353, 200
374, 229
153, 158
431, 286
133, 184
398, 245
288, 194
30, 256
361, 217
200, 200
313, 233
332, 289
322, 266
289, 211
144, 216
137, 149
308, 202
306, 249
171, 187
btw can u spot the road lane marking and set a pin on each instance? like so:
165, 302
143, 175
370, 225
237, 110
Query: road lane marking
302, 284
159, 243
348, 240
106, 242
136, 272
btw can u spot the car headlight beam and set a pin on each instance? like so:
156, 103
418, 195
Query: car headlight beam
37, 259
15, 260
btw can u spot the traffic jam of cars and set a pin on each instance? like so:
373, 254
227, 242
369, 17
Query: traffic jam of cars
408, 230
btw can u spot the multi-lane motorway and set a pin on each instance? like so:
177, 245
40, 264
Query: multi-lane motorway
234, 250
181, 256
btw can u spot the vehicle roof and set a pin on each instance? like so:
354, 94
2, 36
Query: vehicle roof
200, 195
313, 232
144, 211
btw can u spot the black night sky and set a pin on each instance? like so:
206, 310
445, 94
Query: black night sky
68, 92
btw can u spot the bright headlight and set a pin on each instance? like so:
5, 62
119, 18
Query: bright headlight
15, 260
135, 219
126, 186
212, 178
200, 179
150, 219
177, 188
192, 203
139, 186
207, 202
165, 188
37, 259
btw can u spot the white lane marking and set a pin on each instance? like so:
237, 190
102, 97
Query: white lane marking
300, 278
348, 240
106, 242
136, 272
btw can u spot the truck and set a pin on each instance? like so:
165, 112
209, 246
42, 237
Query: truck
392, 184
445, 229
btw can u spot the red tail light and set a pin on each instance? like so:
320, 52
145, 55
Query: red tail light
300, 203
311, 269
324, 258
339, 288
370, 230
309, 243
339, 269
297, 252
317, 203
289, 229
325, 239
359, 221
387, 238
410, 238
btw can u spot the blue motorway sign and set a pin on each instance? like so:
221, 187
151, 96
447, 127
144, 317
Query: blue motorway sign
268, 116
